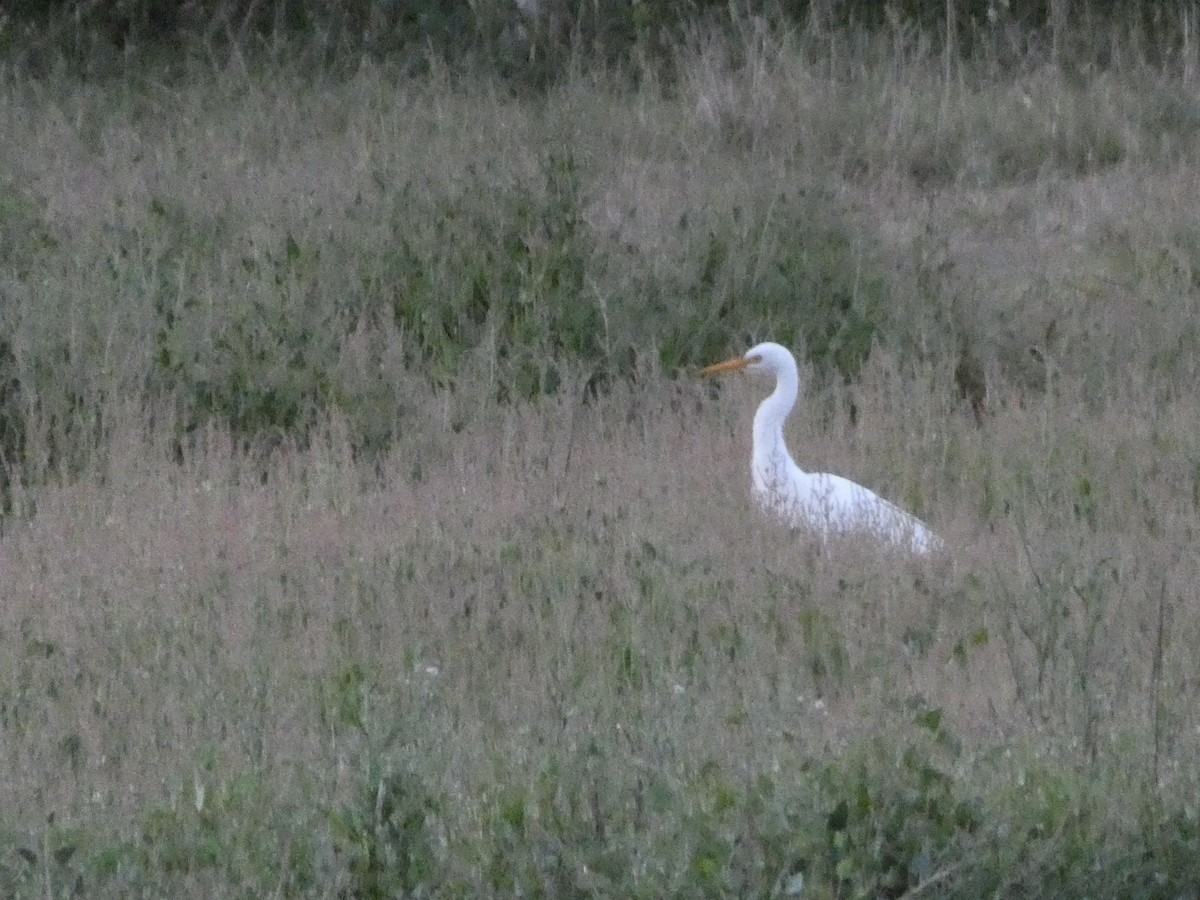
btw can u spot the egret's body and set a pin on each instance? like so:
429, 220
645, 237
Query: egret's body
828, 504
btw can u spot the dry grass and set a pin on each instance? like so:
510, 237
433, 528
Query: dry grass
561, 625
171, 629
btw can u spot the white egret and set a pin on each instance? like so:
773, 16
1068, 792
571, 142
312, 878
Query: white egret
829, 504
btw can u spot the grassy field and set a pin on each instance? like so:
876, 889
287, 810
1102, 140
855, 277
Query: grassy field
325, 577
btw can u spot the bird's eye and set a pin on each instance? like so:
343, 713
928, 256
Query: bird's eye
756, 358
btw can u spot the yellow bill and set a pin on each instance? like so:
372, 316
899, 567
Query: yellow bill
730, 365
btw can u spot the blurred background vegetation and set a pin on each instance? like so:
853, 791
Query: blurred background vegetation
503, 258
533, 42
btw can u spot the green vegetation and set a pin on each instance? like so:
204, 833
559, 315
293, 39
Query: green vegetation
365, 535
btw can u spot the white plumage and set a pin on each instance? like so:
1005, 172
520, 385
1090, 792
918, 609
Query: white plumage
829, 504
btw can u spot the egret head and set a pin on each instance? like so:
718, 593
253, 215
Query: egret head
767, 358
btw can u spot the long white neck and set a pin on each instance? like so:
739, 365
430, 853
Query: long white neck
771, 463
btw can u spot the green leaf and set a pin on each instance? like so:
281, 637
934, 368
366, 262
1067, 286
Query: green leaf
930, 719
707, 867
